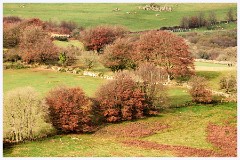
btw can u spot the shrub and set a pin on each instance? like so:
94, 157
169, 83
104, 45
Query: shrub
229, 84
25, 116
118, 55
96, 38
199, 91
193, 22
36, 46
70, 110
67, 56
120, 99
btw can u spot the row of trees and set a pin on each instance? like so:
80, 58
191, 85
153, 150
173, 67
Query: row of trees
129, 96
123, 51
161, 48
201, 20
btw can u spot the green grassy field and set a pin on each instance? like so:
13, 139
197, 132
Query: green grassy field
65, 44
43, 81
86, 14
187, 127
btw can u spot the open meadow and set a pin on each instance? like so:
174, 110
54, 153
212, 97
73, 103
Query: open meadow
87, 14
74, 85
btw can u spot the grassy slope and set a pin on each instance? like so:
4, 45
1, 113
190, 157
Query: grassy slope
94, 14
214, 72
65, 44
187, 128
43, 81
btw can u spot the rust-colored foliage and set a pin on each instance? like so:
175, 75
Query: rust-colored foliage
166, 50
120, 99
11, 19
13, 27
96, 38
199, 91
65, 27
36, 46
70, 110
135, 129
223, 137
118, 55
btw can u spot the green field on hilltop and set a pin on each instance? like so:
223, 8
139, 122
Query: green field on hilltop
92, 14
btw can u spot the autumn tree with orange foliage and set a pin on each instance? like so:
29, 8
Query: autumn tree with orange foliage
96, 38
166, 50
70, 110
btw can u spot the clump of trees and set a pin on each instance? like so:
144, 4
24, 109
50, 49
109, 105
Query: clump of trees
96, 38
70, 110
220, 45
199, 90
36, 46
63, 27
25, 116
201, 20
121, 99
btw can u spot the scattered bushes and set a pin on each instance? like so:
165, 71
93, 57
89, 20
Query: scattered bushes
121, 99
199, 90
25, 116
70, 110
96, 38
219, 45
